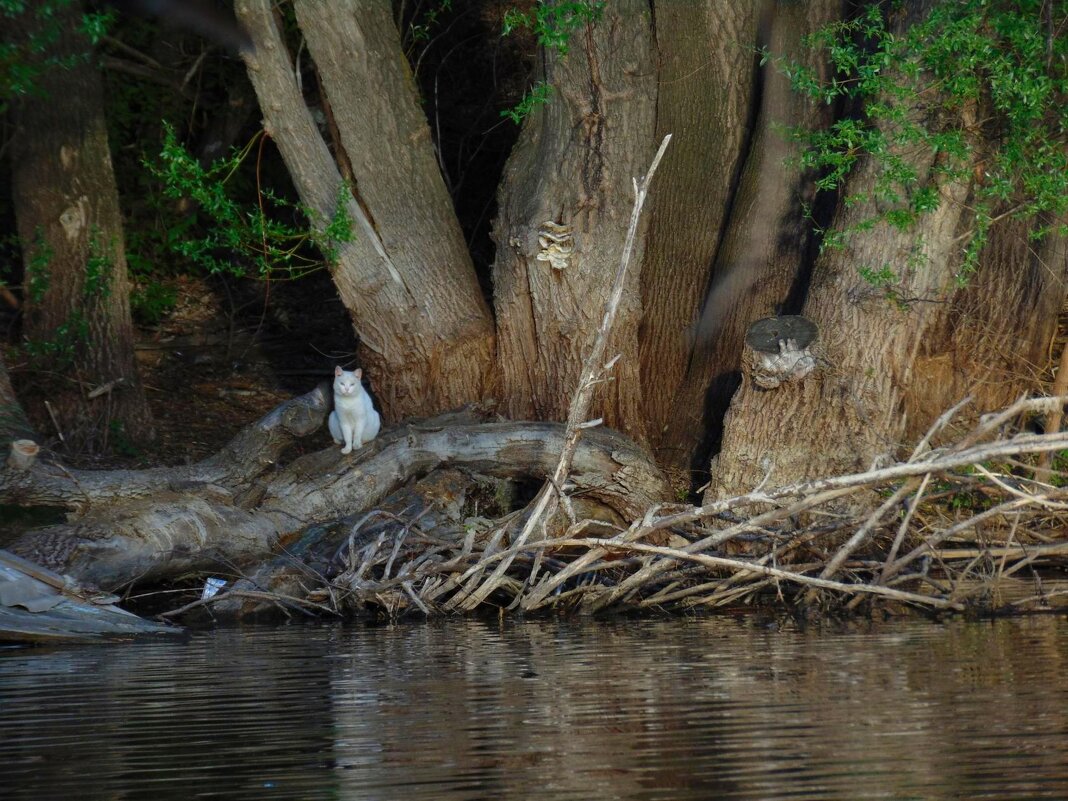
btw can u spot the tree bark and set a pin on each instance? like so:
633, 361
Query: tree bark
77, 310
994, 344
853, 411
766, 247
425, 331
565, 199
13, 421
706, 84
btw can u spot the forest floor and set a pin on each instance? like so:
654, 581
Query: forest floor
221, 359
209, 371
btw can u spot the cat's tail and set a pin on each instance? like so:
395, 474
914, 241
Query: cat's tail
335, 428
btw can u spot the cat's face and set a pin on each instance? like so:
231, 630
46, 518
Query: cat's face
347, 383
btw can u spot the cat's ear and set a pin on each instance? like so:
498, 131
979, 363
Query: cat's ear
337, 371
359, 373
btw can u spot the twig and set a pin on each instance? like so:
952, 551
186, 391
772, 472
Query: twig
933, 542
1035, 499
55, 422
737, 564
1055, 415
901, 529
938, 425
258, 595
862, 533
992, 422
104, 389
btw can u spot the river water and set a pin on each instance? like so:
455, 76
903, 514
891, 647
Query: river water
713, 708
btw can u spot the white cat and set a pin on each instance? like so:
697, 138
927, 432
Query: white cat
354, 421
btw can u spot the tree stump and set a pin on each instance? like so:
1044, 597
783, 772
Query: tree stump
777, 350
23, 454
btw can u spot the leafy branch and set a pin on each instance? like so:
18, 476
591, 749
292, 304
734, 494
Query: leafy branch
553, 24
269, 240
1001, 57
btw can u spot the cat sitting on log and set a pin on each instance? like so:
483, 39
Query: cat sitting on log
354, 421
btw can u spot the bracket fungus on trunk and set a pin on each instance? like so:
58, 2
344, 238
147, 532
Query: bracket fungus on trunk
556, 243
777, 350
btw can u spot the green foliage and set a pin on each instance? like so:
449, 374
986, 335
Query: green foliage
882, 278
421, 28
61, 348
553, 24
151, 300
536, 95
99, 268
1000, 63
39, 268
120, 440
222, 236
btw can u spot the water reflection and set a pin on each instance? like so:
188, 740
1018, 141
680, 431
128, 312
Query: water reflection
677, 709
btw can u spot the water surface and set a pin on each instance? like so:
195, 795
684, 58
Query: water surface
715, 708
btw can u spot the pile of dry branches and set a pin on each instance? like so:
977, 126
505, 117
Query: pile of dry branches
965, 525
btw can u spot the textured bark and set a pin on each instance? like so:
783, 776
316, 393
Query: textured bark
994, 345
13, 422
425, 331
852, 412
71, 231
765, 245
572, 168
706, 80
209, 527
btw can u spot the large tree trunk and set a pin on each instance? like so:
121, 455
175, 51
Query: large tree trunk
565, 199
425, 331
765, 250
852, 412
77, 322
994, 344
705, 94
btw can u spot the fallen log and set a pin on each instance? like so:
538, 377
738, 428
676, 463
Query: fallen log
46, 482
231, 512
37, 605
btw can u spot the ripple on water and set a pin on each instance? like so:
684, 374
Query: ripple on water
670, 709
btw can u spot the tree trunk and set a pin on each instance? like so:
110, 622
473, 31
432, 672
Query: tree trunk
13, 422
425, 331
77, 321
706, 65
852, 411
565, 199
765, 251
994, 344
